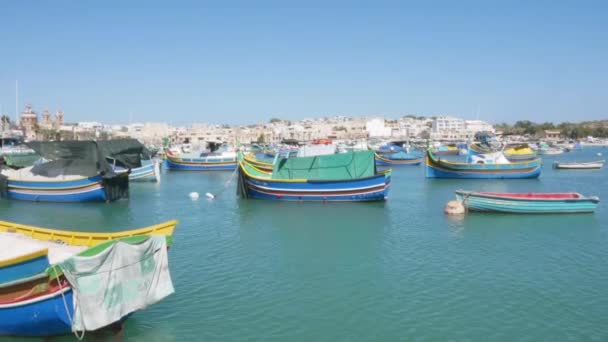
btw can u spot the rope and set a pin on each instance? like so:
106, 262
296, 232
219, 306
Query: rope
65, 306
228, 182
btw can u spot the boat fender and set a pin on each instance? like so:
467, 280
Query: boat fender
454, 208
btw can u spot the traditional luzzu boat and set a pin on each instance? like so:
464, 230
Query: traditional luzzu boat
347, 177
223, 158
132, 157
527, 203
592, 165
497, 167
70, 171
261, 165
397, 159
77, 292
544, 149
520, 153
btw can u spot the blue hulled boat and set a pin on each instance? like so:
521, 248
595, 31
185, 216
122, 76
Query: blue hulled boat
129, 155
348, 177
69, 171
437, 168
397, 159
527, 203
23, 266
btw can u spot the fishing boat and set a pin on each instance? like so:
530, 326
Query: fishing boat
598, 164
519, 153
262, 165
527, 203
202, 162
397, 159
98, 279
70, 171
16, 154
132, 157
350, 176
544, 149
23, 265
497, 167
42, 303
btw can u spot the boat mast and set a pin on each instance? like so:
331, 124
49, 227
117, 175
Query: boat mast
16, 101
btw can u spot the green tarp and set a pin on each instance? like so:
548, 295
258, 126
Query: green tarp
351, 165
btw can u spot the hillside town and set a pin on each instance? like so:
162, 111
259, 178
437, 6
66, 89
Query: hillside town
32, 126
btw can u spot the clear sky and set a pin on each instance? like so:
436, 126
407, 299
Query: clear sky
233, 62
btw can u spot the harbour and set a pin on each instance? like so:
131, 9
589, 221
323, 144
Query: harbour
394, 267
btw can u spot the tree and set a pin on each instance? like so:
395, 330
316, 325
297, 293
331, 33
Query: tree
261, 138
425, 135
6, 121
275, 120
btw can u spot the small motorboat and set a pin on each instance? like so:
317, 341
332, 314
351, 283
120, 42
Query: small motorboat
527, 203
592, 165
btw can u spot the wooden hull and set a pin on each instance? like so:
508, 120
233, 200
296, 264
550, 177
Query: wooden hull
43, 315
366, 189
202, 164
505, 204
23, 266
146, 173
381, 161
84, 238
82, 190
579, 166
436, 168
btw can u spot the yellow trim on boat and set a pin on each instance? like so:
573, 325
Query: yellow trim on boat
23, 258
51, 181
434, 158
84, 238
268, 173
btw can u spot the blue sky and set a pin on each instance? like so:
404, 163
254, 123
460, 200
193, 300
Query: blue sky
231, 62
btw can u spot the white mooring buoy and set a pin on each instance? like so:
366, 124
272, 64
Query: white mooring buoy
209, 195
193, 195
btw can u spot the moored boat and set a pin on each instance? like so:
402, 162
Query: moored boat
202, 162
499, 168
347, 176
397, 159
592, 165
70, 171
132, 157
520, 153
527, 203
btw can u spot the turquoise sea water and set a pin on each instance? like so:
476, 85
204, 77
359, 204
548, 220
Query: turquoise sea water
399, 270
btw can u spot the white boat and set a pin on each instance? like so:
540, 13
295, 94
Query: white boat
579, 166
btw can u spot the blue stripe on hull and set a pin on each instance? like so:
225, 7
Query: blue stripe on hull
25, 269
45, 318
200, 167
528, 207
146, 173
432, 172
94, 195
54, 185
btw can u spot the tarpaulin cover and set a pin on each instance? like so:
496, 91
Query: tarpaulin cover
128, 153
69, 158
117, 281
340, 166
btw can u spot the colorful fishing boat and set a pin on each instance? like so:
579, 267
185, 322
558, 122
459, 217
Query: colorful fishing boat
44, 305
347, 176
70, 171
592, 165
527, 203
23, 265
545, 149
262, 165
497, 169
132, 157
201, 162
397, 159
41, 304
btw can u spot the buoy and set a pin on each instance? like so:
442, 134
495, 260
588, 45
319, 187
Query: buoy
209, 195
599, 153
193, 195
454, 208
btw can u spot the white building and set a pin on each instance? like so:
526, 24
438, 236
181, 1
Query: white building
375, 128
478, 126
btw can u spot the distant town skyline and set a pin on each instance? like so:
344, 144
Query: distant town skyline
116, 62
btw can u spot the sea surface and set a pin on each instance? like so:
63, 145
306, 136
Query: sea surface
400, 270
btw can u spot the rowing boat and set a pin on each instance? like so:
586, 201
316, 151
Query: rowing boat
598, 164
527, 203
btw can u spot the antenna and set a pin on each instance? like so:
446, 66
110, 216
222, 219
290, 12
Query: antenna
16, 101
